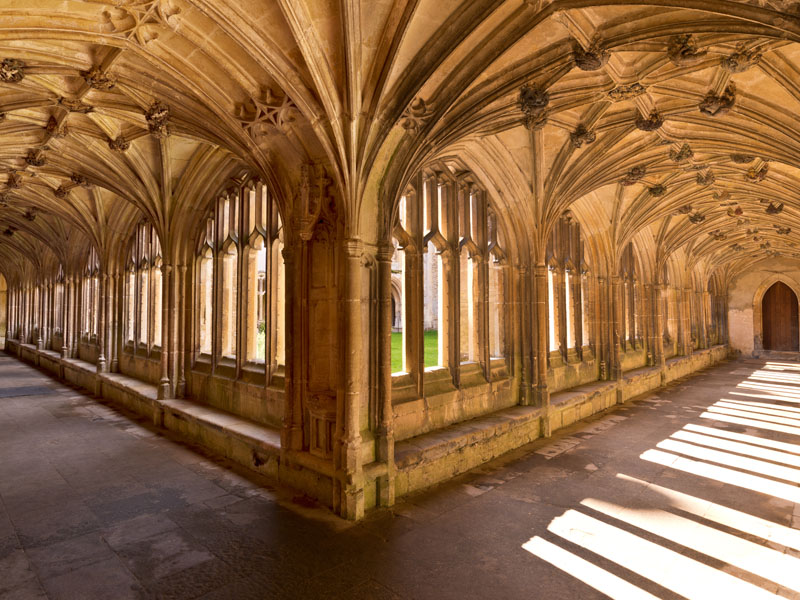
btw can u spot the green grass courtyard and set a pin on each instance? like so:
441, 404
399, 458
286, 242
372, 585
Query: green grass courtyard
431, 346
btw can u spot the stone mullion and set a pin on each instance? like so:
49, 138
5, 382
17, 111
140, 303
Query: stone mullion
77, 285
686, 318
413, 327
542, 350
480, 219
576, 293
560, 296
40, 293
706, 298
448, 327
115, 301
658, 326
385, 432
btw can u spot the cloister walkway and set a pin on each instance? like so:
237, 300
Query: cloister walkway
691, 492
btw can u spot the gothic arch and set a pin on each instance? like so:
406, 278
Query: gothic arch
758, 298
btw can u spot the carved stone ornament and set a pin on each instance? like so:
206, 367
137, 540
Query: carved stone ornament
716, 106
737, 247
683, 154
75, 105
157, 117
119, 144
34, 158
626, 92
652, 122
718, 235
735, 211
582, 136
742, 159
706, 178
696, 217
2, 116
633, 175
61, 192
774, 208
415, 115
9, 231
30, 214
12, 70
657, 190
98, 80
56, 130
80, 180
782, 230
741, 60
590, 59
685, 209
14, 180
533, 101
754, 175
682, 51
268, 114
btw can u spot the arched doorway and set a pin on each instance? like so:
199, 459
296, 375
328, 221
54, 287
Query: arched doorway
779, 318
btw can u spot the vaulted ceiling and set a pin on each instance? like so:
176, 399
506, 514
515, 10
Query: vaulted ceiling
669, 123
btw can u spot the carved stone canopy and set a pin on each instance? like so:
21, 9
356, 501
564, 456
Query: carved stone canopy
533, 101
12, 70
714, 105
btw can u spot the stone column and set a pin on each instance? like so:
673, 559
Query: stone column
688, 346
617, 328
65, 327
40, 317
542, 391
706, 317
115, 307
352, 479
164, 382
523, 336
385, 432
291, 431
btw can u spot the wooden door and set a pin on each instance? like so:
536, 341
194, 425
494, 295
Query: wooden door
779, 318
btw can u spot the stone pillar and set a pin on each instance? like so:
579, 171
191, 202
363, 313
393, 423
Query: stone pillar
291, 431
524, 336
385, 432
688, 346
575, 294
352, 479
40, 316
65, 325
617, 330
115, 307
542, 391
164, 382
705, 305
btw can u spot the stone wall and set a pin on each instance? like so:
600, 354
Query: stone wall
744, 300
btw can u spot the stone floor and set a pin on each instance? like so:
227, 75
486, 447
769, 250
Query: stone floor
688, 493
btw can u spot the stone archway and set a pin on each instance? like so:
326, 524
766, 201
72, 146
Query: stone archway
758, 311
779, 318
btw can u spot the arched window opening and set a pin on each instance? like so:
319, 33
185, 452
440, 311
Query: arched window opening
58, 302
567, 330
497, 291
90, 300
240, 280
629, 274
398, 282
144, 289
